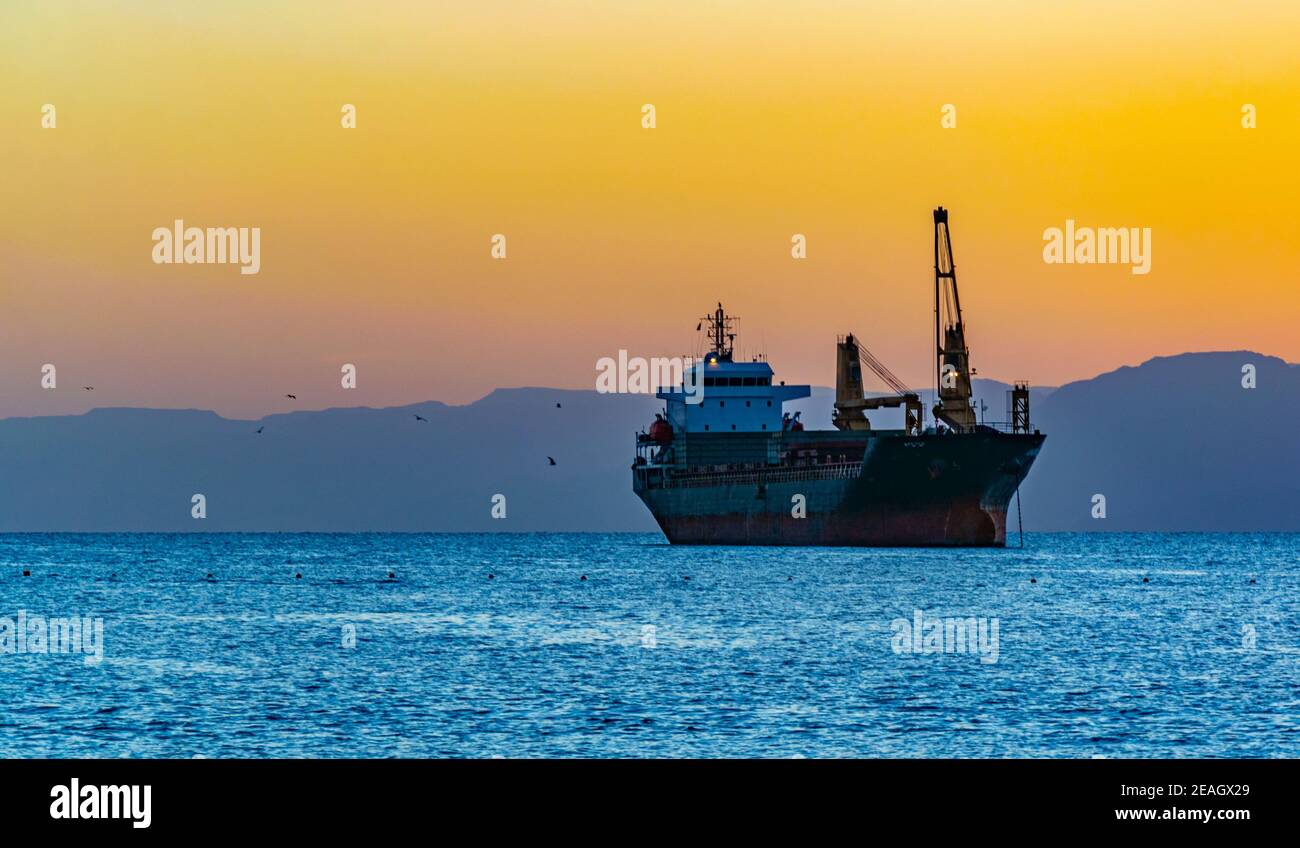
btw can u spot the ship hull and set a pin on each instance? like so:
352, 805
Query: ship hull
930, 490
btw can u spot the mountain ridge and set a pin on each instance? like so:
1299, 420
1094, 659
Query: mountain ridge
1174, 443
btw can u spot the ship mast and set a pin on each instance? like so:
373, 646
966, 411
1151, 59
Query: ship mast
721, 334
953, 357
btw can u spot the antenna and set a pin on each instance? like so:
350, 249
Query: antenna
721, 333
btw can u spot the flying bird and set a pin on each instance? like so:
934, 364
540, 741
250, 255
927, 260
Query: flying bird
421, 418
89, 388
557, 406
259, 429
294, 397
550, 459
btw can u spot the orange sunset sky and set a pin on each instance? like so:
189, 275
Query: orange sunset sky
524, 118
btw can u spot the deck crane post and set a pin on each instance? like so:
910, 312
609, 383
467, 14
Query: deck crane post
851, 406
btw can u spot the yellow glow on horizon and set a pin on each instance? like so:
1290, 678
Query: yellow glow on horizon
523, 118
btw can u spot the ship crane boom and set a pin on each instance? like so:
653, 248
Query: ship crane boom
952, 357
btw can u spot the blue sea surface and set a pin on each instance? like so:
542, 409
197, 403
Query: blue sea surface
1115, 645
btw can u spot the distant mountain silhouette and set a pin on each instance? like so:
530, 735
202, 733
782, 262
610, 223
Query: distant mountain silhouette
1173, 444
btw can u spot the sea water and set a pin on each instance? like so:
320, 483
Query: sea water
575, 645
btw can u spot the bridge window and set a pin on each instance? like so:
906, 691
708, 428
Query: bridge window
733, 381
750, 381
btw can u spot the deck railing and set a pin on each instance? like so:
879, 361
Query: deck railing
830, 471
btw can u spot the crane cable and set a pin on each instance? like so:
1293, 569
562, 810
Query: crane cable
882, 372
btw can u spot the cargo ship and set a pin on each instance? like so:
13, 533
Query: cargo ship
725, 464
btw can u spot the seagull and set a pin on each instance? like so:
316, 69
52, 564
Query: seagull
89, 388
420, 418
551, 459
259, 429
557, 406
295, 397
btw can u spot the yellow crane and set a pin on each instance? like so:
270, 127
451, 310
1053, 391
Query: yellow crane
952, 362
851, 406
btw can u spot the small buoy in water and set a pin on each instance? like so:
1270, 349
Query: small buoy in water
298, 576
391, 575
209, 577
1033, 579
584, 577
788, 579
492, 577
1146, 579
26, 573
1252, 581
685, 577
